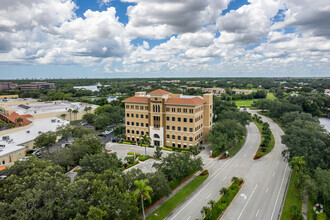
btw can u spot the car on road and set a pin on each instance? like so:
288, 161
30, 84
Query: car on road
108, 131
102, 135
83, 123
2, 176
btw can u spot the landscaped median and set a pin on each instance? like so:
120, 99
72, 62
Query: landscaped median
217, 209
179, 197
267, 137
237, 147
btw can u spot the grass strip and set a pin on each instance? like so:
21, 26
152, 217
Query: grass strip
177, 199
293, 198
310, 212
238, 145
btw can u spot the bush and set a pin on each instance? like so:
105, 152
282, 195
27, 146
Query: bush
133, 164
132, 154
216, 153
174, 183
166, 148
204, 173
321, 216
143, 158
257, 156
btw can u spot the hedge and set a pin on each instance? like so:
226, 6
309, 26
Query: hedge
143, 158
216, 153
132, 154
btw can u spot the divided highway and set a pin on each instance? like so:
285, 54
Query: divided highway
266, 178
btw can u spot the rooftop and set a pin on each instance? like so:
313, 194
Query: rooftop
185, 101
159, 92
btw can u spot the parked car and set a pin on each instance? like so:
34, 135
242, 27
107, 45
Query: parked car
2, 176
115, 140
102, 135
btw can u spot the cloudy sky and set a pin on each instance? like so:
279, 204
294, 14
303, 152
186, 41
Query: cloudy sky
164, 38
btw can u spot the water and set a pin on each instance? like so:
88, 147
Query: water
325, 122
91, 88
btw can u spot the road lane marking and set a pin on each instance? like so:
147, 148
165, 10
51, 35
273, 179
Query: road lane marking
278, 194
266, 190
247, 202
209, 196
188, 217
224, 179
257, 212
273, 173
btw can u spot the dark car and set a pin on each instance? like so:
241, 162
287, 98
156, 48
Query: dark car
115, 140
102, 135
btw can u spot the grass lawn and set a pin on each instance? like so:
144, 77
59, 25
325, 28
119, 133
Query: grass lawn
248, 102
238, 145
310, 211
271, 143
173, 202
292, 198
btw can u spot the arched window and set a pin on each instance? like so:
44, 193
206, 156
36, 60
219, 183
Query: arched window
156, 136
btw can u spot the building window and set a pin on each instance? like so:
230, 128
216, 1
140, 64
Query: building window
190, 139
142, 132
168, 136
173, 144
190, 130
191, 111
132, 123
132, 131
127, 123
184, 119
173, 118
173, 128
179, 119
133, 139
173, 109
156, 108
136, 116
141, 107
185, 146
137, 132
179, 145
173, 137
128, 138
179, 109
184, 129
141, 116
167, 118
146, 108
179, 128
184, 110
147, 125
179, 138
184, 138
127, 115
127, 106
137, 124
168, 127
128, 130
191, 120
167, 109
136, 107
132, 106
142, 124
147, 116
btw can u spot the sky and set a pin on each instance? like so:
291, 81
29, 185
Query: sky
164, 38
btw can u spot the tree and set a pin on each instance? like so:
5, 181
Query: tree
70, 112
158, 152
75, 112
96, 213
295, 212
63, 116
235, 179
89, 118
224, 192
45, 140
98, 163
142, 191
211, 203
65, 131
205, 211
297, 163
19, 121
145, 141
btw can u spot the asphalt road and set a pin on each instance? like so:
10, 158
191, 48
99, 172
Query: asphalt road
262, 194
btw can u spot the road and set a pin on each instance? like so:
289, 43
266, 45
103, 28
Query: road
262, 194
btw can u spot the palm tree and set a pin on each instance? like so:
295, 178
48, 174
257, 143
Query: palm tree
224, 192
87, 109
211, 203
70, 111
142, 191
18, 121
205, 211
63, 116
145, 140
235, 179
75, 112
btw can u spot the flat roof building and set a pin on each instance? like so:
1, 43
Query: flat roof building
37, 86
170, 119
8, 86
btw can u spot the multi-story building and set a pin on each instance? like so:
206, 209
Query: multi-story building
170, 119
37, 86
7, 86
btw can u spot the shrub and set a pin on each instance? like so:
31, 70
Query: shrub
174, 183
257, 156
168, 149
204, 173
132, 154
143, 158
216, 152
133, 164
321, 216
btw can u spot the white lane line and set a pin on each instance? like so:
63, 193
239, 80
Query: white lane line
273, 173
278, 194
247, 202
188, 217
257, 212
209, 196
224, 179
266, 190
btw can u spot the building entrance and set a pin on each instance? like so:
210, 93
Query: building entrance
157, 143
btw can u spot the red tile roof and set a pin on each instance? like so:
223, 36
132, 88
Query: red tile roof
185, 101
159, 92
136, 99
15, 116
